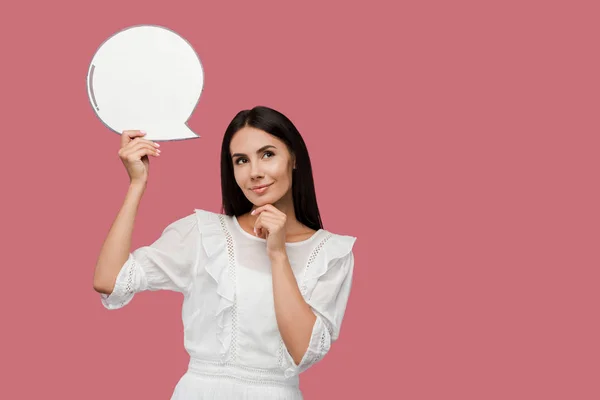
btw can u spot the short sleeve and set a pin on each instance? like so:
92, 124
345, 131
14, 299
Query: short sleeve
328, 301
166, 264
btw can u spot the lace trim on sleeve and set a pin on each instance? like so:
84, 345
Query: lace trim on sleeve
125, 286
319, 345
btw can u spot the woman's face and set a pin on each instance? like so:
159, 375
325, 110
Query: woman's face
261, 159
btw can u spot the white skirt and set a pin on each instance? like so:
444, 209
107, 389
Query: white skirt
205, 380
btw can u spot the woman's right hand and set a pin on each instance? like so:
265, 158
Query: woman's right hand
134, 154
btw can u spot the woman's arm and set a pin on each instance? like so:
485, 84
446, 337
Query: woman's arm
295, 317
134, 153
116, 247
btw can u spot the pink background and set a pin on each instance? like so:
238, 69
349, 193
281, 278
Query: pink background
457, 140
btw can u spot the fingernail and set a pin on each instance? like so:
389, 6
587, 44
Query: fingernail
157, 145
144, 132
252, 213
255, 231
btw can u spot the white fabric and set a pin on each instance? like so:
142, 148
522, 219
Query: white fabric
230, 329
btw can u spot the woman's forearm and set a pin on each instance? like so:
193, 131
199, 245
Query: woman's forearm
116, 247
295, 317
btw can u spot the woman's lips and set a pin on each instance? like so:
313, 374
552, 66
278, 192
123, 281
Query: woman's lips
261, 190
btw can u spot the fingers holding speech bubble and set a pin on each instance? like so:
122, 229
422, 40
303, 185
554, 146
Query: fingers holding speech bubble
147, 78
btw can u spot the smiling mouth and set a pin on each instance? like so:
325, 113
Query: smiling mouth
261, 189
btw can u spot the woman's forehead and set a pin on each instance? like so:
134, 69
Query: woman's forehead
251, 139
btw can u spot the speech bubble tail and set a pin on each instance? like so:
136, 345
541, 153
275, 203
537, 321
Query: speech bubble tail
184, 132
171, 133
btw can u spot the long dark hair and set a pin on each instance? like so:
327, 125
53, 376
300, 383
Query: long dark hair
234, 202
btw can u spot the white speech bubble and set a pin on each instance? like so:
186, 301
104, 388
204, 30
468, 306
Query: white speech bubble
146, 77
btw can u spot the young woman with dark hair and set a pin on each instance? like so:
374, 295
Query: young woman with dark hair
265, 286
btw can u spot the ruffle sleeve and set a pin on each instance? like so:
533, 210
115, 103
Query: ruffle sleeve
166, 264
220, 265
326, 287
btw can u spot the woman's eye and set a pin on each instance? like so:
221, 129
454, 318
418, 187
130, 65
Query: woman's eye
238, 161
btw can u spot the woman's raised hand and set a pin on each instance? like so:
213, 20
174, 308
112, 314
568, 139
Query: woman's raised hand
134, 154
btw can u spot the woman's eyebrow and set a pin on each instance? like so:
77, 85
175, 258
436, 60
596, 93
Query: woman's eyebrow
257, 151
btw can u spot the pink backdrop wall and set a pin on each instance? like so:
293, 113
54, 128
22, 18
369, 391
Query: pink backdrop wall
457, 140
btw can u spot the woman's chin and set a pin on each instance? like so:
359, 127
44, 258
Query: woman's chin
260, 201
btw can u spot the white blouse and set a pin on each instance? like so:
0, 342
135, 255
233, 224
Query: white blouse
230, 329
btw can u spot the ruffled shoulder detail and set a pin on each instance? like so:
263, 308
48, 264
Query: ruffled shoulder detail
212, 231
324, 256
217, 244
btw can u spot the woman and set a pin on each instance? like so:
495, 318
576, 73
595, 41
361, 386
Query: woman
265, 286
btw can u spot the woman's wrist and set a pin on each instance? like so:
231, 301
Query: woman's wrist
278, 256
137, 186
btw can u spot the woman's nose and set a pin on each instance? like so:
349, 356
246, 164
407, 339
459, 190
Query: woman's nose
255, 171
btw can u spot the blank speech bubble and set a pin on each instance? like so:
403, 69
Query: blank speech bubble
146, 77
